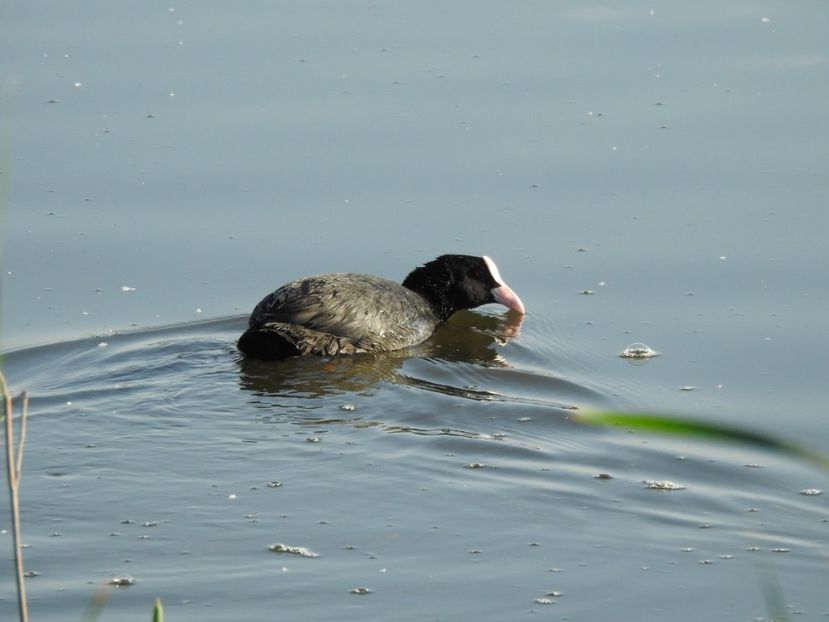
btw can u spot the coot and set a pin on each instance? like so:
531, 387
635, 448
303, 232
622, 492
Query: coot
348, 313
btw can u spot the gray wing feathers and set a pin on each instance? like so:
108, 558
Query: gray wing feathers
346, 313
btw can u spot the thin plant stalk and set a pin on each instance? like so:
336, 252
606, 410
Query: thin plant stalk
14, 466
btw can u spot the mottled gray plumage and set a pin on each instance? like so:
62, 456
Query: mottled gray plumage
347, 313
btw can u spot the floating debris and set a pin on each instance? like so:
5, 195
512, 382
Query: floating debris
544, 601
478, 465
349, 407
687, 387
638, 351
312, 439
586, 292
361, 591
603, 476
662, 484
292, 550
274, 483
781, 550
811, 492
122, 580
31, 573
127, 288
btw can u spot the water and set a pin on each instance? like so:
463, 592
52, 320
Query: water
671, 160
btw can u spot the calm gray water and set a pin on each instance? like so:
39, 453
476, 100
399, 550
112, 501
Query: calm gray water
163, 166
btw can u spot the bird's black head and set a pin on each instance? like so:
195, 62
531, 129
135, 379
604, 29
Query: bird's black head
454, 282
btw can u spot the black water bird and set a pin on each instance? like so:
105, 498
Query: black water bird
347, 313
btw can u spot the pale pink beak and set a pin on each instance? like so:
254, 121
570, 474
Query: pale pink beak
505, 296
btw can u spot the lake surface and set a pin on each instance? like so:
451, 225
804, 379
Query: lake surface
640, 173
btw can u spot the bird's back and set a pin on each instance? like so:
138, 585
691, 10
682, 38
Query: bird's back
345, 312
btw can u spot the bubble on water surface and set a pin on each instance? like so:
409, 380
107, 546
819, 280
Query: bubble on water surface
544, 601
127, 288
361, 591
292, 550
811, 492
662, 484
274, 483
638, 351
122, 580
349, 407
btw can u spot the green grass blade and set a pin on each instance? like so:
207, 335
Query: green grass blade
158, 611
648, 422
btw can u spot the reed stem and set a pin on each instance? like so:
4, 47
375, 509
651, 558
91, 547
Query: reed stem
14, 463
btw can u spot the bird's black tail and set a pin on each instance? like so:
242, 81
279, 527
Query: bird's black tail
265, 343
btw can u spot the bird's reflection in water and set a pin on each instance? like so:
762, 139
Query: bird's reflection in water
467, 338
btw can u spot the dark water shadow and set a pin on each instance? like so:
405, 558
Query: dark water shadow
467, 358
467, 337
